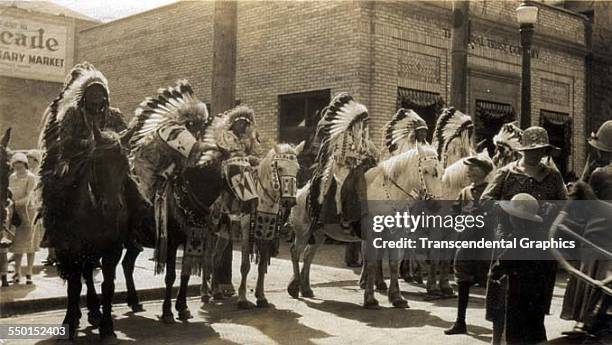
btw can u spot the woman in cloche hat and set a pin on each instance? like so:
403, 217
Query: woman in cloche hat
543, 182
21, 183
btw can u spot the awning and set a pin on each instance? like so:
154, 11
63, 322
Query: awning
419, 98
495, 110
554, 117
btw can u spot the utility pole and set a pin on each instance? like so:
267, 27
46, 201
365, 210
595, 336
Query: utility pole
460, 37
223, 88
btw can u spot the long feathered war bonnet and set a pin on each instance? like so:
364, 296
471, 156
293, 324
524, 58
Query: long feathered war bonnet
401, 128
450, 125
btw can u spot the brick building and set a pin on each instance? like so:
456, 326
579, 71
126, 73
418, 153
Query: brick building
34, 63
293, 56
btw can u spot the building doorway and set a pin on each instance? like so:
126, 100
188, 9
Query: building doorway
298, 114
559, 128
427, 104
490, 117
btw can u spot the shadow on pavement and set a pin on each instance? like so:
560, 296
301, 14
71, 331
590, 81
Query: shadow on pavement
277, 324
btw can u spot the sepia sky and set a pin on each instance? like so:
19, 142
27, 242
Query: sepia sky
106, 10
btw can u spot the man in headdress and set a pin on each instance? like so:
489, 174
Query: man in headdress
67, 136
345, 146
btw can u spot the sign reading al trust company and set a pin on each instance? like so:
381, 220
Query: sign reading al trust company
33, 49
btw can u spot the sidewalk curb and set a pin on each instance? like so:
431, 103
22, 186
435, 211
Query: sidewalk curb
9, 309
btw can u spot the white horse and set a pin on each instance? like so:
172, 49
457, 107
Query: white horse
416, 172
276, 191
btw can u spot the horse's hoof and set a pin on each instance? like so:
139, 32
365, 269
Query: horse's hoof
294, 288
94, 319
381, 287
205, 299
245, 305
307, 293
137, 308
110, 339
371, 304
400, 303
168, 319
184, 315
262, 303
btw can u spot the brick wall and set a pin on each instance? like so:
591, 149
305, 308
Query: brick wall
141, 53
288, 47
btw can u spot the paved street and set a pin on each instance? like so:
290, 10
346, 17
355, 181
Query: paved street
334, 316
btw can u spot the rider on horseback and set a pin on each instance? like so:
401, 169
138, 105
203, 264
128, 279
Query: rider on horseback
404, 131
345, 146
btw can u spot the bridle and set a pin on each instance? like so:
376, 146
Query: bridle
425, 195
276, 176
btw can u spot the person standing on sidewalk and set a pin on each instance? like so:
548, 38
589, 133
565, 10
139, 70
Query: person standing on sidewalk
22, 183
470, 265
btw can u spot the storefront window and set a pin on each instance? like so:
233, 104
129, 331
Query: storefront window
298, 114
559, 128
490, 117
427, 104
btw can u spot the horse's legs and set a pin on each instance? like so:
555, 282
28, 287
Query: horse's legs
369, 267
245, 267
309, 254
262, 268
181, 299
128, 263
394, 293
94, 315
297, 247
109, 265
167, 316
207, 269
217, 260
73, 310
443, 282
380, 277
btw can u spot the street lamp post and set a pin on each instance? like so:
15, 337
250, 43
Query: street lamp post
527, 16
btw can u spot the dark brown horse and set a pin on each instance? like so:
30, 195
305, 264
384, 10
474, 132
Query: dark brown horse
86, 217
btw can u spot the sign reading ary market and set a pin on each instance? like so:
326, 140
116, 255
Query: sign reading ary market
32, 49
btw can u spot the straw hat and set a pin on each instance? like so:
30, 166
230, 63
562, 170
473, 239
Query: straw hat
522, 206
603, 139
535, 138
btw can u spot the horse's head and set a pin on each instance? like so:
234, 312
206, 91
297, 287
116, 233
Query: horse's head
109, 162
417, 172
278, 174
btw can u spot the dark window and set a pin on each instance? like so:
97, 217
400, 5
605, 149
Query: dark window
298, 114
427, 104
559, 128
490, 117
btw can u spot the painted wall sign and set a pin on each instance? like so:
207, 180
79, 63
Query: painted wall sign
33, 49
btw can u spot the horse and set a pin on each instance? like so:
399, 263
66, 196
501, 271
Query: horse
407, 179
410, 176
276, 190
89, 223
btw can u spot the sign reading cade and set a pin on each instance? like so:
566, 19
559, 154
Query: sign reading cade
32, 49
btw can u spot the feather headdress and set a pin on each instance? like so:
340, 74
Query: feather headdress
176, 104
80, 78
400, 131
450, 125
343, 116
509, 135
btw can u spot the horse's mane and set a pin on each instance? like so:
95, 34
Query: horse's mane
455, 175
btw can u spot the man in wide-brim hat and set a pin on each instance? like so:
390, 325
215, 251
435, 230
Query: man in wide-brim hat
583, 303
